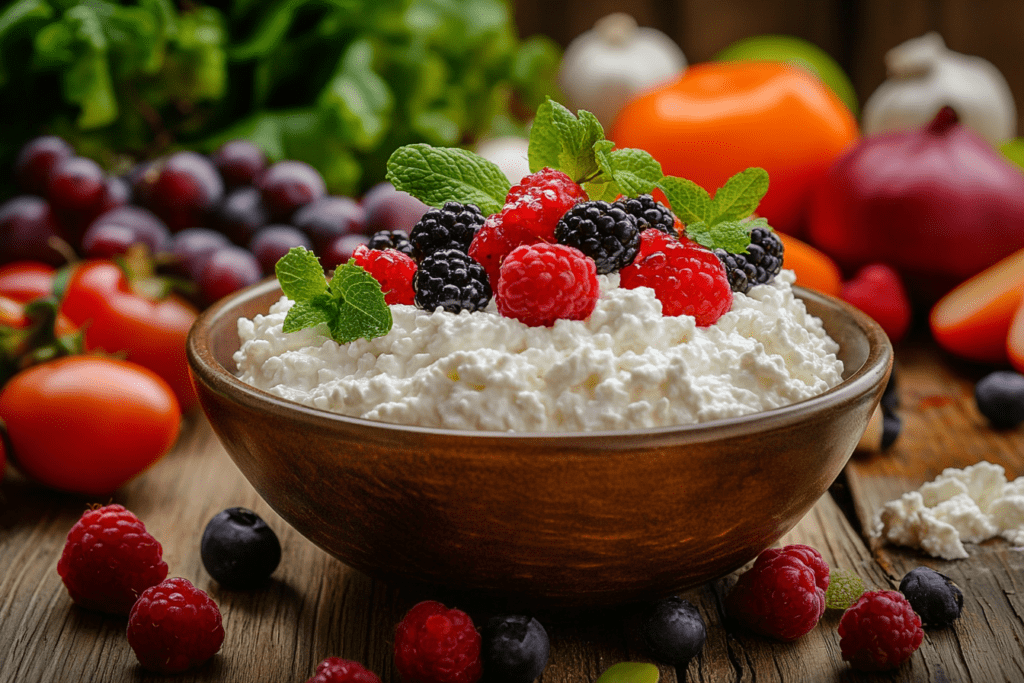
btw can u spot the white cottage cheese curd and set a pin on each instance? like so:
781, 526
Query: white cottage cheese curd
625, 367
960, 506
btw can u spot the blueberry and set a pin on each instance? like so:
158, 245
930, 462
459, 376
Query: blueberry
515, 649
673, 630
238, 549
934, 596
1000, 398
892, 425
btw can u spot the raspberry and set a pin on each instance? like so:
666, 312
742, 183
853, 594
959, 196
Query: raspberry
650, 213
434, 644
878, 290
933, 596
174, 626
338, 670
491, 245
879, 632
109, 559
392, 269
450, 227
452, 280
541, 283
604, 232
783, 594
760, 264
534, 206
392, 239
687, 279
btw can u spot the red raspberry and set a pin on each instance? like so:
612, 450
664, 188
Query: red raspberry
687, 279
392, 269
541, 283
174, 626
434, 644
783, 594
878, 290
652, 241
534, 206
338, 670
490, 246
880, 631
109, 559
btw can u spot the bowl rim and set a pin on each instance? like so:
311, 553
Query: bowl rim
868, 377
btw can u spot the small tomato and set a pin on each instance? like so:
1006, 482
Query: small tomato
88, 424
26, 280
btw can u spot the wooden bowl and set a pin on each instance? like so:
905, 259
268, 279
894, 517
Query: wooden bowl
580, 519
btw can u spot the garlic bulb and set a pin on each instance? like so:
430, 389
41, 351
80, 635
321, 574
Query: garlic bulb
511, 154
607, 66
924, 76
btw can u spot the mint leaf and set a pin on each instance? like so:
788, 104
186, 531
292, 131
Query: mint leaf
733, 236
690, 202
740, 195
301, 275
436, 175
634, 171
310, 313
564, 142
362, 311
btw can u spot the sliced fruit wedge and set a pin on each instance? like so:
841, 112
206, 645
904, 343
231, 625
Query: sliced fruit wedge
814, 269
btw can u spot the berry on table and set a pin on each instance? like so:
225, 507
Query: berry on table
451, 280
605, 232
238, 549
515, 649
392, 239
174, 626
878, 290
453, 226
783, 595
435, 644
934, 596
650, 214
673, 630
109, 559
759, 265
338, 670
541, 283
999, 396
392, 269
879, 632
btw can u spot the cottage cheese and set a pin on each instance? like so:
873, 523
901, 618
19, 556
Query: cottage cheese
961, 506
626, 366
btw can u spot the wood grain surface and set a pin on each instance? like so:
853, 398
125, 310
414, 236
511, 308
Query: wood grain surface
315, 607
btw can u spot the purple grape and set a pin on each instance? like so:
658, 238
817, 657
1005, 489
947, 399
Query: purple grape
273, 241
390, 209
76, 186
340, 250
26, 225
37, 159
186, 190
116, 193
288, 185
241, 214
116, 230
192, 247
328, 218
240, 162
227, 270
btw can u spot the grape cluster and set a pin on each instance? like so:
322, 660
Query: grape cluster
221, 220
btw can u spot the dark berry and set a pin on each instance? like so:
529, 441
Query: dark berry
117, 192
515, 649
650, 213
604, 232
327, 218
673, 630
934, 596
451, 227
227, 270
240, 162
892, 426
113, 232
192, 246
26, 225
340, 250
76, 186
241, 214
390, 209
37, 159
760, 264
451, 280
288, 185
186, 190
272, 242
890, 395
238, 549
391, 239
1000, 398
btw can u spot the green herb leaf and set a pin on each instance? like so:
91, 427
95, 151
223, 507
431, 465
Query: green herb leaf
437, 175
310, 313
740, 195
843, 589
630, 672
301, 275
690, 202
361, 99
633, 171
564, 142
733, 236
362, 311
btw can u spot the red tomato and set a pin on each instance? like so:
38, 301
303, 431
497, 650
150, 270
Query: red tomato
152, 333
12, 314
88, 424
26, 280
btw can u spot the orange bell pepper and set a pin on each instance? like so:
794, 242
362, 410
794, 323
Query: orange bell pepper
722, 117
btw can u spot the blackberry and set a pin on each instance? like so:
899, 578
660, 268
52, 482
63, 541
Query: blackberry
759, 265
515, 649
452, 280
238, 549
605, 232
392, 239
934, 596
450, 227
673, 630
650, 213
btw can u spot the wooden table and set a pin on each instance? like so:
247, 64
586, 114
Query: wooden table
316, 607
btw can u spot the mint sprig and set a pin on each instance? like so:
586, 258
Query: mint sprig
351, 305
436, 175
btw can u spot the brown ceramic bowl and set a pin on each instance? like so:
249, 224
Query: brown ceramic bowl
585, 519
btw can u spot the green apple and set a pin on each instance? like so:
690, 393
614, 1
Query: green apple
800, 53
